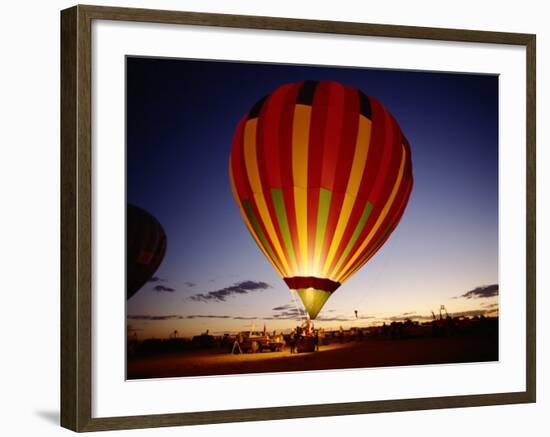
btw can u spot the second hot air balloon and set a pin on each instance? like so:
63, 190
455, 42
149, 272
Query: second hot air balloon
145, 248
322, 174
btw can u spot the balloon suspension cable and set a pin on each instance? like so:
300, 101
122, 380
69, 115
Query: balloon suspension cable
296, 305
361, 301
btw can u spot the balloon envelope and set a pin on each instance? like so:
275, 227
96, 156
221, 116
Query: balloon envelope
146, 246
321, 173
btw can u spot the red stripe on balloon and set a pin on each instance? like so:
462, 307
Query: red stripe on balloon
389, 165
242, 186
377, 150
242, 183
344, 165
317, 134
400, 202
385, 179
285, 151
272, 135
333, 133
348, 139
317, 126
263, 167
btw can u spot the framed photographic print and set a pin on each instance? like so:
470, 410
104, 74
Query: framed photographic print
338, 215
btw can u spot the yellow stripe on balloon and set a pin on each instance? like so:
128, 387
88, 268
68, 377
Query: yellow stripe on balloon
325, 198
300, 145
380, 219
251, 164
247, 222
358, 168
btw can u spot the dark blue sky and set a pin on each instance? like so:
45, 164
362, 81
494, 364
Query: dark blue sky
180, 120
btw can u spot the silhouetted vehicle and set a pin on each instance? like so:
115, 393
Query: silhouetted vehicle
257, 341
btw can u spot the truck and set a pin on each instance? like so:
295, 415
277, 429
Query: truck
258, 341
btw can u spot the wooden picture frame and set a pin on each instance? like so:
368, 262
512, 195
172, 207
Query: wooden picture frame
76, 218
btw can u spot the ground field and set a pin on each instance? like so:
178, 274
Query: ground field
356, 354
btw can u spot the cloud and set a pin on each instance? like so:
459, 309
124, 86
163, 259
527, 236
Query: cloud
481, 292
472, 313
150, 317
161, 288
411, 316
189, 316
288, 314
155, 279
489, 305
190, 284
283, 307
222, 294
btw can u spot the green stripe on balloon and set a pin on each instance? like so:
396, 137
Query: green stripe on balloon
280, 211
256, 225
358, 229
325, 197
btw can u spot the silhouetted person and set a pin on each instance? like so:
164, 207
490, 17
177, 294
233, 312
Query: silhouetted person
317, 340
292, 342
299, 339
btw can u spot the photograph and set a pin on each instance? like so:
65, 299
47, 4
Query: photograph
297, 218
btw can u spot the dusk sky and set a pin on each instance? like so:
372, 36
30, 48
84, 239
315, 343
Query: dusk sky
181, 116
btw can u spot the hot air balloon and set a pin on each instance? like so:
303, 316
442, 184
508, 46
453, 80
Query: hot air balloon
321, 174
146, 246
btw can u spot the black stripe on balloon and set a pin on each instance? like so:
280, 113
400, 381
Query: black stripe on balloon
364, 103
255, 111
307, 92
